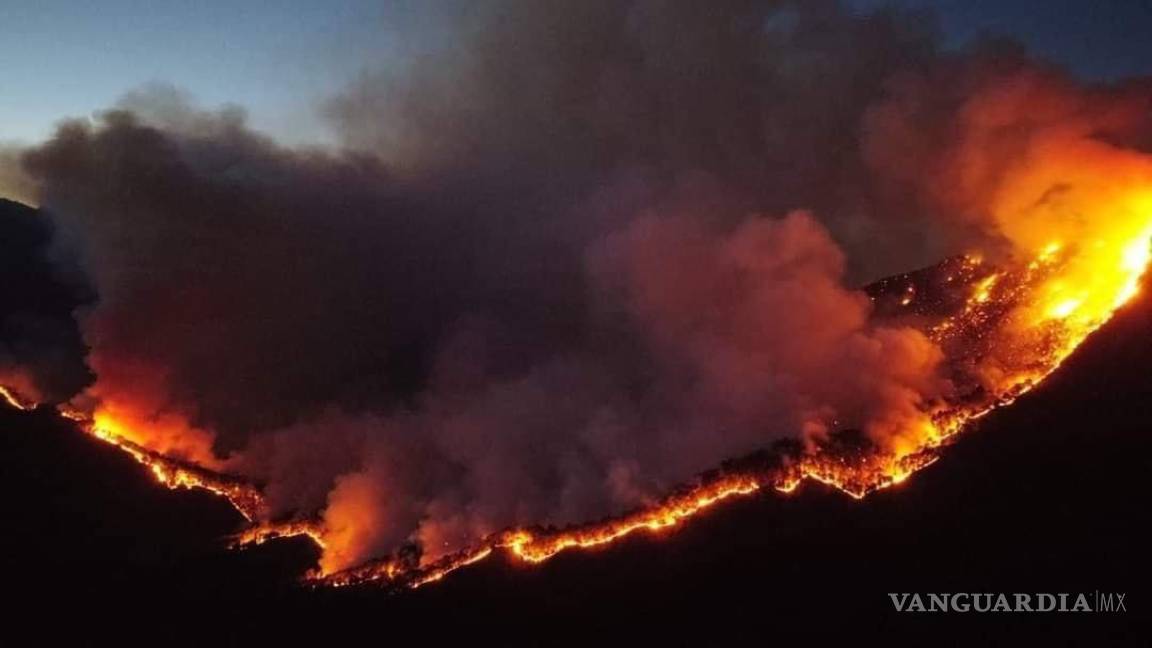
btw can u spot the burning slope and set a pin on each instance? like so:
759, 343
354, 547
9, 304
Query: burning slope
1005, 330
549, 307
1014, 328
172, 472
1077, 216
13, 399
1079, 247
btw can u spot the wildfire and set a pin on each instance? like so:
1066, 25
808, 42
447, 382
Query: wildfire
1012, 330
12, 399
1003, 328
533, 546
170, 472
1015, 327
538, 546
173, 473
265, 531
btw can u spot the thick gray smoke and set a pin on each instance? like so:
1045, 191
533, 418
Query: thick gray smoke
758, 104
570, 254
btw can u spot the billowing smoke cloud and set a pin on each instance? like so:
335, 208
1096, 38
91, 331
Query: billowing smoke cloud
14, 183
955, 137
570, 254
41, 350
761, 101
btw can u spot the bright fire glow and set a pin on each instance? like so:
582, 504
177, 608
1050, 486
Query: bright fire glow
1011, 308
9, 397
1076, 263
173, 473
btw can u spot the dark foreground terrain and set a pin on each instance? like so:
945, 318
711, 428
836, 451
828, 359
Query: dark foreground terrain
1050, 495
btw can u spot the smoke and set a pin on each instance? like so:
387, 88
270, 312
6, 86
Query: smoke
41, 350
1043, 166
570, 254
14, 184
556, 100
955, 137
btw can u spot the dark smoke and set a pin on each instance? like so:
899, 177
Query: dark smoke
569, 254
41, 349
758, 103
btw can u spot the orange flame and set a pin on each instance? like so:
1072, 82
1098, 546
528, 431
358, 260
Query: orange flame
1080, 254
1034, 326
260, 533
174, 473
12, 399
1026, 326
18, 391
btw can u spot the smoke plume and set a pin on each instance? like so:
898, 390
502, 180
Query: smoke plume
41, 349
568, 255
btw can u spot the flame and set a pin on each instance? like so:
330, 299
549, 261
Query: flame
12, 399
172, 472
1017, 326
533, 547
161, 433
260, 533
1079, 254
18, 391
1030, 317
984, 289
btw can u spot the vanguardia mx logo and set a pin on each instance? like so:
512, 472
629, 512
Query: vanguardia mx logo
1003, 602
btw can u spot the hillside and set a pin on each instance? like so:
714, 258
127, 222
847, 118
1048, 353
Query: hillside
1048, 495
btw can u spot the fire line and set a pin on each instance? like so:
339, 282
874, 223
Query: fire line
1010, 329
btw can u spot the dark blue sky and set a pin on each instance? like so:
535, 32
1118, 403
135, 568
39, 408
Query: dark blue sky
1095, 38
280, 59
